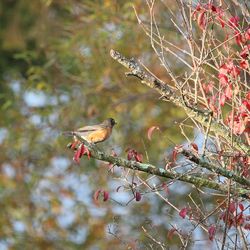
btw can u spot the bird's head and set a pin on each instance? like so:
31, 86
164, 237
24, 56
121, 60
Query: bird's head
110, 122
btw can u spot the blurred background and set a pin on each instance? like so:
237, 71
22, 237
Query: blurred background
56, 75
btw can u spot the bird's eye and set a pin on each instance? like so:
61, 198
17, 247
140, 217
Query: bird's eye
113, 121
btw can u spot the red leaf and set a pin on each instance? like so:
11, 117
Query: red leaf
130, 154
133, 154
229, 92
222, 22
247, 34
105, 195
88, 152
138, 157
137, 196
239, 38
234, 22
211, 232
194, 146
171, 233
235, 72
213, 8
223, 70
220, 14
240, 219
202, 19
232, 207
174, 155
151, 130
246, 103
208, 88
222, 99
96, 194
245, 52
197, 9
183, 212
82, 150
73, 145
244, 64
223, 79
77, 156
241, 206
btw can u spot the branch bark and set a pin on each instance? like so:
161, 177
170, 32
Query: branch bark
169, 94
161, 172
216, 169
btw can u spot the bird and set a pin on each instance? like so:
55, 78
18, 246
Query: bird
92, 133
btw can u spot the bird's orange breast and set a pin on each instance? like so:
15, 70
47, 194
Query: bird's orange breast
99, 135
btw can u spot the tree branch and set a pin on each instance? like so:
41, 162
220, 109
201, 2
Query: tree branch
151, 169
216, 169
170, 94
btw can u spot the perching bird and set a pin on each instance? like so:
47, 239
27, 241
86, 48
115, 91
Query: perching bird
93, 133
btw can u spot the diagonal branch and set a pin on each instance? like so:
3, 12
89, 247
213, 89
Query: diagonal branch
151, 169
216, 169
170, 94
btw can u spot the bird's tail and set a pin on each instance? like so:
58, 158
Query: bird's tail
68, 133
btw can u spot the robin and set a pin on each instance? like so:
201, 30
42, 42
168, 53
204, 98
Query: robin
93, 133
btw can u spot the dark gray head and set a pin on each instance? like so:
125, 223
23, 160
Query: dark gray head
110, 122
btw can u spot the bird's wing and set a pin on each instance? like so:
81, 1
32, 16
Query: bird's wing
89, 128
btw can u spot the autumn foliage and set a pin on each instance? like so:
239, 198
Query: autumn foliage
218, 85
174, 174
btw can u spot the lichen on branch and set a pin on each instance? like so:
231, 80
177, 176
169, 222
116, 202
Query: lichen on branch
198, 182
169, 94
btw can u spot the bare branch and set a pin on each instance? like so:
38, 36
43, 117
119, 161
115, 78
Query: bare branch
216, 169
170, 94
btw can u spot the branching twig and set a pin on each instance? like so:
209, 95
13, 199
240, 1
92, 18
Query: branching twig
169, 94
216, 169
